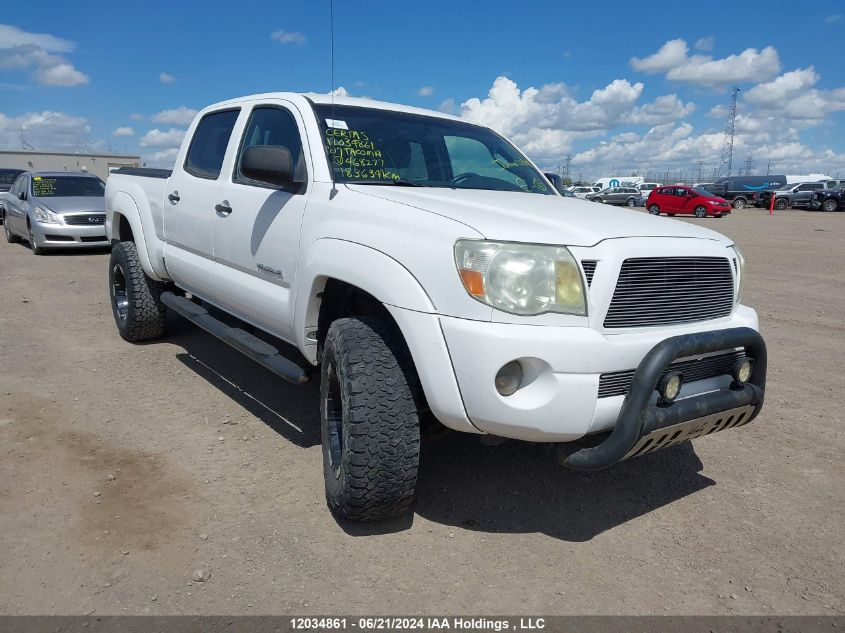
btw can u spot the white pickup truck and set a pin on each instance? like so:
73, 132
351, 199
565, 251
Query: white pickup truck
429, 269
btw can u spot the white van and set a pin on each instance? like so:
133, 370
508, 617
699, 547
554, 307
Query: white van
618, 181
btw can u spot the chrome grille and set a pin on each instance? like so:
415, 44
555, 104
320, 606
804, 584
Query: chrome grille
589, 266
616, 383
667, 290
92, 219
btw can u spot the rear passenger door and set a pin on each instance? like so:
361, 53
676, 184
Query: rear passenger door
189, 204
256, 242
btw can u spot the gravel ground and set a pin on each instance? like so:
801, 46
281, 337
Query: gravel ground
177, 477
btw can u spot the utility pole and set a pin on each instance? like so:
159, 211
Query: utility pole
769, 167
726, 160
700, 164
748, 166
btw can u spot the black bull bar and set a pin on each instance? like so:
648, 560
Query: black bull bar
642, 428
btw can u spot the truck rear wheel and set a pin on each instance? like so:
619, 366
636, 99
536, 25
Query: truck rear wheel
135, 297
370, 420
739, 203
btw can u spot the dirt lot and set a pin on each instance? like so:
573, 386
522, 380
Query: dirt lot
126, 468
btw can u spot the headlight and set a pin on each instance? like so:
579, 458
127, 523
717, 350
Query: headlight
45, 216
740, 273
525, 279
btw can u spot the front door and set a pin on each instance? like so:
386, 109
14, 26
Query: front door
256, 232
189, 213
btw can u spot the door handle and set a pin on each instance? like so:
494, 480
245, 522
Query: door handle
174, 197
223, 208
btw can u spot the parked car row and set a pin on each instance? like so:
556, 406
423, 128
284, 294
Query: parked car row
795, 196
55, 210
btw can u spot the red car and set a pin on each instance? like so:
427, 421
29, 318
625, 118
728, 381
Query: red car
677, 199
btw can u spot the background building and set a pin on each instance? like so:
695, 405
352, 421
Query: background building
43, 160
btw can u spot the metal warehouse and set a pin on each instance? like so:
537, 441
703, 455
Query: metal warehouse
44, 160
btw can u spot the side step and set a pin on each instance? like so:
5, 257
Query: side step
260, 351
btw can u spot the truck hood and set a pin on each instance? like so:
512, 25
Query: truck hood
534, 218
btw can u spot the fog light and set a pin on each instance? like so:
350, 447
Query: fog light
742, 370
509, 378
670, 386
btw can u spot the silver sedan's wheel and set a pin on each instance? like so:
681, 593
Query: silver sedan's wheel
7, 231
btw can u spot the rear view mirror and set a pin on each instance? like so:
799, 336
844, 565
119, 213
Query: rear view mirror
270, 164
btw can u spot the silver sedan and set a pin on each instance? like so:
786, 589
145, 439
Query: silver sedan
56, 210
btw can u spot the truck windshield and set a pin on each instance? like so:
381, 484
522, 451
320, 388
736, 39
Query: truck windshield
383, 147
67, 186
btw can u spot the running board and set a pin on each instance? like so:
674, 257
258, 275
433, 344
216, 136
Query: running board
260, 351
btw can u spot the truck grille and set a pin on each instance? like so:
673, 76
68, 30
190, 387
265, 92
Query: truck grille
668, 290
616, 383
92, 219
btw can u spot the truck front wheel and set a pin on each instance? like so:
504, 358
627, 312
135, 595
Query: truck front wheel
135, 297
370, 420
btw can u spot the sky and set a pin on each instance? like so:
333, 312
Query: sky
619, 88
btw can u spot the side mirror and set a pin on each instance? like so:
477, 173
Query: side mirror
22, 195
270, 164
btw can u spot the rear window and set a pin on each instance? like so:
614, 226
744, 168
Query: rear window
208, 147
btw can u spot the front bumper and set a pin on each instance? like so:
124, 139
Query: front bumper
560, 400
642, 427
64, 236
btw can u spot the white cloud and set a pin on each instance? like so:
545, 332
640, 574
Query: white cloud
136, 116
751, 65
175, 116
12, 36
425, 91
664, 109
549, 122
166, 78
671, 55
44, 130
513, 111
61, 74
792, 96
21, 50
288, 37
162, 158
171, 138
448, 106
833, 19
705, 43
123, 131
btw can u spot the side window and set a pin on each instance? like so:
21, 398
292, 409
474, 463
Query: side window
270, 125
208, 147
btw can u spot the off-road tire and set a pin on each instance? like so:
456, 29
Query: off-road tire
11, 238
700, 212
143, 319
369, 419
654, 210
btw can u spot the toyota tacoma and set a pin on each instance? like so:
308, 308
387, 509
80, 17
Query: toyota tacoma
426, 269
